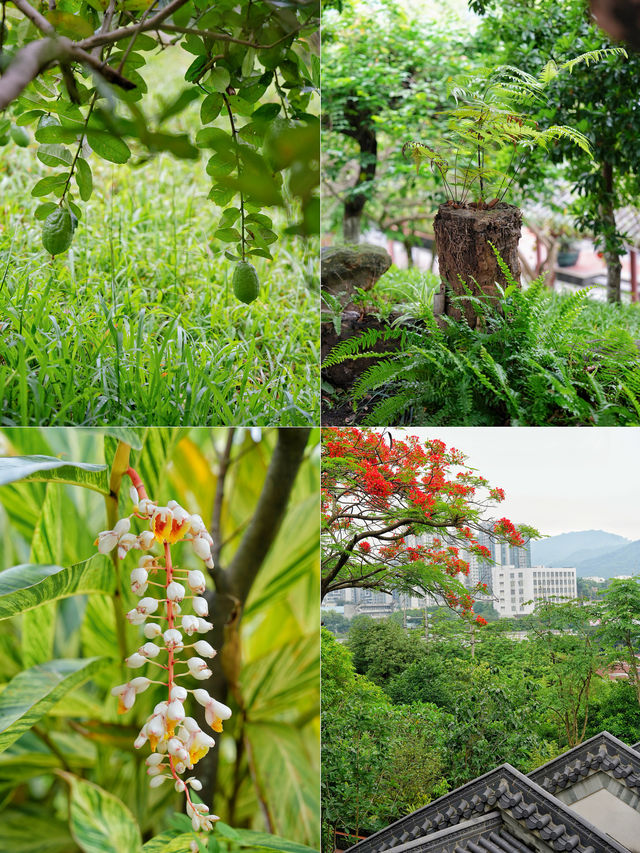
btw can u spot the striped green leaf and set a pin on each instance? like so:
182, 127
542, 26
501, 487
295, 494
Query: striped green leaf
28, 585
171, 841
49, 468
33, 830
30, 695
264, 840
100, 822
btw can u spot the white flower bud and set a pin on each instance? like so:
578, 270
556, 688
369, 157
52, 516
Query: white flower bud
178, 693
202, 548
135, 617
180, 767
126, 543
204, 627
123, 526
139, 579
157, 781
200, 606
180, 786
201, 696
152, 630
175, 591
197, 525
196, 784
146, 540
173, 639
198, 669
133, 494
149, 650
140, 740
156, 727
106, 541
140, 683
154, 759
155, 771
196, 581
205, 649
175, 711
147, 605
135, 660
148, 561
190, 625
190, 725
145, 508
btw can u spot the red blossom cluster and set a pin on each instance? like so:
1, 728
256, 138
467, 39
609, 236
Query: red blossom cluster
504, 527
372, 478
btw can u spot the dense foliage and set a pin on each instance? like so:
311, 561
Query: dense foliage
384, 77
537, 359
68, 767
396, 514
600, 102
521, 699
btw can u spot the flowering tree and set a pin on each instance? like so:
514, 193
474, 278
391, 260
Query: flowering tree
397, 512
123, 745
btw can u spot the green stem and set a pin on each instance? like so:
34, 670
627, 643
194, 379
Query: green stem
79, 148
234, 133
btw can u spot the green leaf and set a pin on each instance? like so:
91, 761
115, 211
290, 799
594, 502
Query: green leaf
48, 468
56, 133
133, 436
28, 585
196, 68
210, 108
214, 137
30, 829
32, 693
219, 79
251, 838
43, 210
49, 184
84, 179
171, 841
100, 822
108, 146
227, 235
54, 155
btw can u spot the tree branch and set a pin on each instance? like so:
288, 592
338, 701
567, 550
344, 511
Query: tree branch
270, 510
125, 32
34, 57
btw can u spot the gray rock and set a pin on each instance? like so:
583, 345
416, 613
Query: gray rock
347, 268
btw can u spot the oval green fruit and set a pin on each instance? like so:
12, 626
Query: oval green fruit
57, 231
20, 136
245, 282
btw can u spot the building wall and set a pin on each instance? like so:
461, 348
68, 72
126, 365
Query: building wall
512, 586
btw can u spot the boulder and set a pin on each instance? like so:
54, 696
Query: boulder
347, 268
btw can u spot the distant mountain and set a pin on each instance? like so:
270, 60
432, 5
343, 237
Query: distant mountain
569, 549
621, 561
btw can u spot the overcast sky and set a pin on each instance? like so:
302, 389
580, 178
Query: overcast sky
557, 479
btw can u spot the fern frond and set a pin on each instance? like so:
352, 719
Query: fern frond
593, 56
356, 346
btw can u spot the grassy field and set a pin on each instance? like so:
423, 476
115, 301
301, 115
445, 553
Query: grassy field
137, 323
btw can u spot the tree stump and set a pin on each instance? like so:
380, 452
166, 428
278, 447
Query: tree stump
464, 254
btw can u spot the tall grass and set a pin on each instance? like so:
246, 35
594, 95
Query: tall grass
137, 323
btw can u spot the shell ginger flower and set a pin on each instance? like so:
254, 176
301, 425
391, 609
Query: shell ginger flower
176, 740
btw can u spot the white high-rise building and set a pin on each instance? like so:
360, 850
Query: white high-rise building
517, 590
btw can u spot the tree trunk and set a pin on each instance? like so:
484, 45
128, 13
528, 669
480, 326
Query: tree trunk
464, 255
612, 259
357, 197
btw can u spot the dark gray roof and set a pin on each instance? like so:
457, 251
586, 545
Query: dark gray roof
519, 799
601, 753
484, 834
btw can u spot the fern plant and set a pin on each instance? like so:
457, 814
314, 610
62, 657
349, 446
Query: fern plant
490, 132
539, 359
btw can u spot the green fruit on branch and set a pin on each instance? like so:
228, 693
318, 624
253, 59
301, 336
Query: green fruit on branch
57, 231
20, 136
245, 282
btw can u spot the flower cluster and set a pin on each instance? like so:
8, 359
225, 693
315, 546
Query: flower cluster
177, 742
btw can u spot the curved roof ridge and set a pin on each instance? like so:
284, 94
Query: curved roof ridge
511, 792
